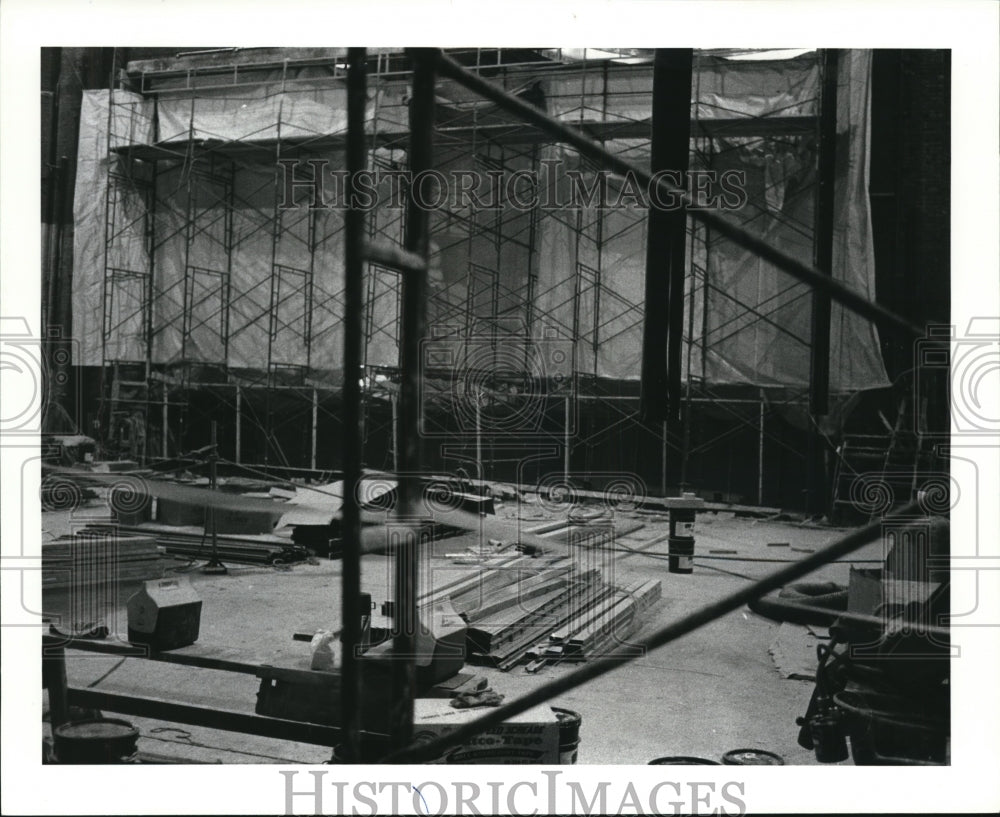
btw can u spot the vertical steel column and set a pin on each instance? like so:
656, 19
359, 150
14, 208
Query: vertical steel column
680, 67
354, 262
412, 329
819, 368
315, 423
760, 453
214, 566
239, 423
819, 361
665, 238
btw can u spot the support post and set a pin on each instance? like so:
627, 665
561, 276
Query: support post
395, 433
665, 243
166, 419
567, 437
479, 438
413, 328
819, 361
315, 418
239, 422
354, 232
663, 459
760, 456
214, 566
819, 368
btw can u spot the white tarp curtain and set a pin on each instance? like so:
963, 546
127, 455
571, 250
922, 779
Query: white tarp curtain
772, 346
269, 260
120, 315
751, 323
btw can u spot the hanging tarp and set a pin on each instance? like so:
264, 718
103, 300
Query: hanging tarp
109, 316
752, 322
235, 280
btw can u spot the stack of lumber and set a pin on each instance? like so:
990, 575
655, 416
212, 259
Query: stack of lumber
92, 557
602, 628
586, 528
195, 543
517, 601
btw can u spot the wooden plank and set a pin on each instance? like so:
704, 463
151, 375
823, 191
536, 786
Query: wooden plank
525, 590
468, 580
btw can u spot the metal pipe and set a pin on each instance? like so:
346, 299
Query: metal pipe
663, 458
760, 455
209, 717
723, 226
239, 422
354, 232
412, 330
166, 420
664, 635
675, 75
315, 419
214, 566
567, 439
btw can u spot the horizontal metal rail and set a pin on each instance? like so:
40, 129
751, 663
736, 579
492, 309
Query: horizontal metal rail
666, 634
803, 272
226, 720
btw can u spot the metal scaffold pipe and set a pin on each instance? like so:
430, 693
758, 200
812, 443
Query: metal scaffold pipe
412, 331
354, 219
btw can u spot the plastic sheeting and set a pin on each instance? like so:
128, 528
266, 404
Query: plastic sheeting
752, 321
235, 280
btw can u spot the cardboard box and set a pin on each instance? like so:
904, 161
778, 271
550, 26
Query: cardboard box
531, 737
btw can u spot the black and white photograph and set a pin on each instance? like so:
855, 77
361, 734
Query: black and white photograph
472, 429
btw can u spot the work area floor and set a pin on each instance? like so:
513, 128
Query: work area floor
712, 691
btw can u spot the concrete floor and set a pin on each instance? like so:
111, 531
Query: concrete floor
712, 691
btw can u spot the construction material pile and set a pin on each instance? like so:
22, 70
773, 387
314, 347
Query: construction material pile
99, 556
555, 609
195, 543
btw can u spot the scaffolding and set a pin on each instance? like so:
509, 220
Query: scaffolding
238, 284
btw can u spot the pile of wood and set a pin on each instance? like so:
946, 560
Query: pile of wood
601, 629
98, 557
519, 601
242, 549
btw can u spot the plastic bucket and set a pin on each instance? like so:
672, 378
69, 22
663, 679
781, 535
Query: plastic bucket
683, 760
106, 740
569, 734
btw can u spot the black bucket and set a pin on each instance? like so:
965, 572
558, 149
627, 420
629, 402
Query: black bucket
683, 760
681, 554
102, 741
569, 734
682, 522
